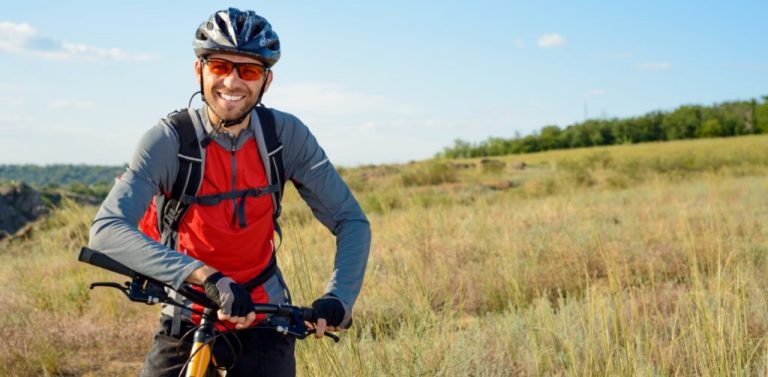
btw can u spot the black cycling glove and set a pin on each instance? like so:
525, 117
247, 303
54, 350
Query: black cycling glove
232, 299
329, 308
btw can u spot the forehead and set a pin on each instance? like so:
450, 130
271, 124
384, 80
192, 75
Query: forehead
234, 58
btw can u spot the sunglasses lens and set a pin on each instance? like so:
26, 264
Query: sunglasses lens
247, 71
220, 68
250, 72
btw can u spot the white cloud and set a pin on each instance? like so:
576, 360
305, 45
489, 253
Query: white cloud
23, 39
654, 66
10, 101
518, 42
70, 104
594, 93
551, 40
331, 99
13, 122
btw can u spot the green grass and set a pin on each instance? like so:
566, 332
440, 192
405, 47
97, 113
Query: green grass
634, 260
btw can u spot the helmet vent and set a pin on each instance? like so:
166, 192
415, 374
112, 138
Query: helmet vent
222, 24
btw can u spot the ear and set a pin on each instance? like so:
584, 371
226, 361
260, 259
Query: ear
269, 81
198, 70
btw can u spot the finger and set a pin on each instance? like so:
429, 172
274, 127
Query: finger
248, 320
320, 329
223, 316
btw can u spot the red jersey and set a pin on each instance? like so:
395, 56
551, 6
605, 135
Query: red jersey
209, 234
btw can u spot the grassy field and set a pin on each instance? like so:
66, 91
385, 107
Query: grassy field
645, 260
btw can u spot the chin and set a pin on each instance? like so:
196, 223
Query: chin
231, 114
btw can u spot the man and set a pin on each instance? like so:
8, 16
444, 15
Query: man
224, 238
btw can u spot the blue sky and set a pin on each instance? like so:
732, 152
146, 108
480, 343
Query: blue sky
377, 82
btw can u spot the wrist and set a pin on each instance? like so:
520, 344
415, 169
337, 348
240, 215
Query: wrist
201, 275
213, 278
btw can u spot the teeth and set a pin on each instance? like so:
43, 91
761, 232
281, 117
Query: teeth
231, 97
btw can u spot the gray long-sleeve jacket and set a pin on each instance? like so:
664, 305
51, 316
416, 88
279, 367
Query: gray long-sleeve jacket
154, 167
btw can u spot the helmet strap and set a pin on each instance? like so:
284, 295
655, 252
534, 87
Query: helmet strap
202, 91
263, 86
193, 97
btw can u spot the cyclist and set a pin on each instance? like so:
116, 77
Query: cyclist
224, 239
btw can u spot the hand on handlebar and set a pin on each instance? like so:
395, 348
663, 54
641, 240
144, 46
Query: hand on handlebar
322, 326
235, 305
330, 313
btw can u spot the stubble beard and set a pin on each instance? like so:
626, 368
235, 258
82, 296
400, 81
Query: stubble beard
248, 104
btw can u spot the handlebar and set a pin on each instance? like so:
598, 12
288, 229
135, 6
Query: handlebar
98, 259
144, 289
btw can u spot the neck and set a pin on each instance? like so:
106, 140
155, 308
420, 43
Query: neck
235, 129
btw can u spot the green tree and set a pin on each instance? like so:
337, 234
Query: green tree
681, 123
550, 138
530, 144
577, 136
685, 122
460, 149
496, 146
711, 128
761, 116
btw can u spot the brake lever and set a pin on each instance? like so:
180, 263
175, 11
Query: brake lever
125, 289
136, 291
305, 333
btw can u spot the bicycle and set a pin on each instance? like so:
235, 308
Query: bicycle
201, 362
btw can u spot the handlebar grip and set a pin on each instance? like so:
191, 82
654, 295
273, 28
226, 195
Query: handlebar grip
308, 314
197, 297
99, 259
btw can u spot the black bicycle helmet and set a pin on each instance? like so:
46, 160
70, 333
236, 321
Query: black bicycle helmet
235, 31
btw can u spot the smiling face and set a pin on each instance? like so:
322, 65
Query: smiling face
228, 96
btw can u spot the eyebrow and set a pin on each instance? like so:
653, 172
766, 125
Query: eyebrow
229, 61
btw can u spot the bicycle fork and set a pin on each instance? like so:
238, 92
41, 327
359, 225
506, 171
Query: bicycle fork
201, 348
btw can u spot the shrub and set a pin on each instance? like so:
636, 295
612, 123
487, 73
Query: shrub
490, 166
431, 173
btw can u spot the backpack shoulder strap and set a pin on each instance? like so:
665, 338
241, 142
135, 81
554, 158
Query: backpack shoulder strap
187, 182
188, 177
275, 155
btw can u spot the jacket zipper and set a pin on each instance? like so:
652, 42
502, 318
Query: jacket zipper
233, 140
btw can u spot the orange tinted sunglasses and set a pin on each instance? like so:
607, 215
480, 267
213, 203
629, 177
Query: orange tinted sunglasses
247, 71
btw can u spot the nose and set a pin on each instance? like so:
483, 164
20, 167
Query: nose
232, 78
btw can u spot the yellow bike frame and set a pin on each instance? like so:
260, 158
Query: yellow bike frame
202, 362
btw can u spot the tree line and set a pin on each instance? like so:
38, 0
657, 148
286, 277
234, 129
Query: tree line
686, 122
90, 180
59, 174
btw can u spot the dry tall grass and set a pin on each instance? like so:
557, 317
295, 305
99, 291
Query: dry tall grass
598, 262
